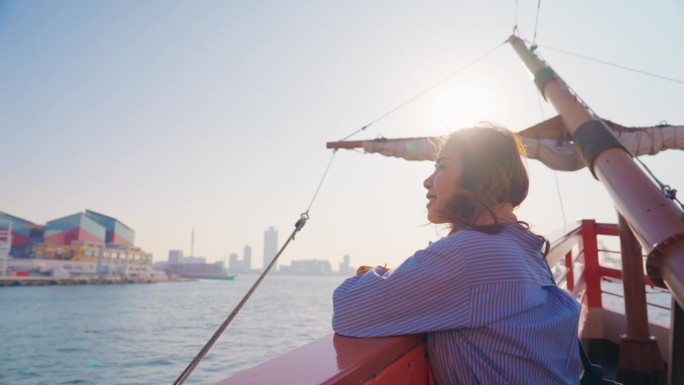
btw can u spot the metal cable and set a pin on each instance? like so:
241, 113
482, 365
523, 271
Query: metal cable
614, 65
515, 24
667, 191
536, 23
425, 91
205, 349
555, 173
325, 173
298, 226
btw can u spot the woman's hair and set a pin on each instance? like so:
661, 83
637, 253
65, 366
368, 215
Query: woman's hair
492, 173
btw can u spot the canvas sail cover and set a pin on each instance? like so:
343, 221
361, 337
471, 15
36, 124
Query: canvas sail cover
547, 142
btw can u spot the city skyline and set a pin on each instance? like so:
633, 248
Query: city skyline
237, 265
170, 115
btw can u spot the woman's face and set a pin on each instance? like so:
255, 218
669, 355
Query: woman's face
442, 184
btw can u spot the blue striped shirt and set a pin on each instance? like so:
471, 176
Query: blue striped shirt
487, 303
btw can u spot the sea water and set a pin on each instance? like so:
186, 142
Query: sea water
148, 333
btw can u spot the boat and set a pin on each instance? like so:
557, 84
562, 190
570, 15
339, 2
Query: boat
193, 267
201, 270
615, 327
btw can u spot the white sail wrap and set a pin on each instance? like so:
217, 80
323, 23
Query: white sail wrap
424, 148
555, 154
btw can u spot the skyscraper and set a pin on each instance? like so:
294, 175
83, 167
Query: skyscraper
234, 264
345, 268
247, 255
270, 246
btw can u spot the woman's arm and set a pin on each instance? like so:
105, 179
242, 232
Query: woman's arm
428, 292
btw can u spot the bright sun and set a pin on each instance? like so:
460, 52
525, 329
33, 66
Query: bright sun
462, 102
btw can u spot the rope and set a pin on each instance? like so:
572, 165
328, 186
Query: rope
515, 24
555, 173
615, 65
325, 173
205, 349
425, 91
298, 226
536, 23
669, 192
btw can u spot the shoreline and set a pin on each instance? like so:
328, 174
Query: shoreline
52, 281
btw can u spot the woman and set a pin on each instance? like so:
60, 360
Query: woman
483, 294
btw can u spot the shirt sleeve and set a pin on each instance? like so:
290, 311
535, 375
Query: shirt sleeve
430, 291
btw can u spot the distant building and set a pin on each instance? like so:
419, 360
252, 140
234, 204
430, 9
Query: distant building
116, 233
175, 256
307, 267
233, 264
87, 243
237, 266
193, 259
247, 255
25, 235
88, 227
270, 246
345, 267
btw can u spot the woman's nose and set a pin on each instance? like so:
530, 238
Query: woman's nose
427, 183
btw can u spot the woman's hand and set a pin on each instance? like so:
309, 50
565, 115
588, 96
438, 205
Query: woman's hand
365, 269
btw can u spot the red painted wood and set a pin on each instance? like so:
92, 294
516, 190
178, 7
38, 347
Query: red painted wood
591, 266
412, 368
563, 244
333, 359
345, 144
607, 229
569, 266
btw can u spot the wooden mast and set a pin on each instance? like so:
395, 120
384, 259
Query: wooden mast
655, 221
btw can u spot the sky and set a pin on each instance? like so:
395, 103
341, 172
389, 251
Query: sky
214, 115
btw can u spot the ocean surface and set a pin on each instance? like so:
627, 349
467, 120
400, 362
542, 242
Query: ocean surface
148, 333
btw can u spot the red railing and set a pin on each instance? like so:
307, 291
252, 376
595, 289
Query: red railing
335, 359
576, 251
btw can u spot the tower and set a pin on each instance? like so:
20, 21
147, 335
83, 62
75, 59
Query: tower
247, 255
234, 264
344, 265
270, 246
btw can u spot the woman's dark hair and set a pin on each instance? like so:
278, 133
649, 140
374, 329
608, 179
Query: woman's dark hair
492, 173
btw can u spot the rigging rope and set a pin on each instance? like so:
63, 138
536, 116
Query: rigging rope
205, 349
298, 226
515, 25
614, 65
555, 173
536, 23
667, 191
325, 173
300, 223
425, 91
